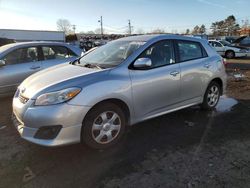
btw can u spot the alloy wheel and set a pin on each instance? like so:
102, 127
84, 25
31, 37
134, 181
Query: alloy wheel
106, 127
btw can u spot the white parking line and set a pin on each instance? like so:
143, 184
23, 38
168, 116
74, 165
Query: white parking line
2, 127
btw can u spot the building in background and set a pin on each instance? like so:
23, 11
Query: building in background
32, 35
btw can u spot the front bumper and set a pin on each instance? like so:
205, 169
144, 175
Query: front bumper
28, 119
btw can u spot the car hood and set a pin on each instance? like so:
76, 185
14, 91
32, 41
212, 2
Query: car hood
54, 78
238, 40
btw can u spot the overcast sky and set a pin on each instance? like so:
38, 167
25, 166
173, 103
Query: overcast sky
144, 14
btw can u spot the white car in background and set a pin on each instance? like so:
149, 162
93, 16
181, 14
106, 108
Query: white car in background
227, 50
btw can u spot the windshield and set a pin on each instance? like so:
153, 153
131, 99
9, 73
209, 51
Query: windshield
111, 54
225, 43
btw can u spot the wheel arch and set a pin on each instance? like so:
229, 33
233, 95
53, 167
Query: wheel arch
120, 103
219, 81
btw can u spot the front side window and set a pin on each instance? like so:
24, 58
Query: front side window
217, 44
56, 52
160, 54
22, 55
189, 50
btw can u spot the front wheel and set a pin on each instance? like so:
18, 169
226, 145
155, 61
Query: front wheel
212, 96
230, 54
103, 126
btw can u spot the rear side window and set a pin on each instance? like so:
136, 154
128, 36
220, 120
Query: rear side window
56, 52
189, 50
22, 55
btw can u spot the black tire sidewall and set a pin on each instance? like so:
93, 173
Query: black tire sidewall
88, 123
230, 52
204, 104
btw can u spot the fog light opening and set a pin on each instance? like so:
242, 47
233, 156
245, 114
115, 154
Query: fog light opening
48, 132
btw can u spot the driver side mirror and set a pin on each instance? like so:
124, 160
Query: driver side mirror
143, 63
2, 63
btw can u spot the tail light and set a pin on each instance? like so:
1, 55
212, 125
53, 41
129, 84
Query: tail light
224, 62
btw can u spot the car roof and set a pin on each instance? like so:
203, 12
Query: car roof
24, 44
146, 38
34, 43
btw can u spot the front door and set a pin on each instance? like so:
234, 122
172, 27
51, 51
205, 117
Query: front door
156, 88
19, 64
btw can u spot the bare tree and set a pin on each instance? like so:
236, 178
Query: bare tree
63, 25
98, 31
202, 29
196, 30
187, 32
158, 31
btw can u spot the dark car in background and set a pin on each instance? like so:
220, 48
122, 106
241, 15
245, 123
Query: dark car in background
4, 41
243, 41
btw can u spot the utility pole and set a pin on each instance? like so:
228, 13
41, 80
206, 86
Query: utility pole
101, 23
129, 28
74, 28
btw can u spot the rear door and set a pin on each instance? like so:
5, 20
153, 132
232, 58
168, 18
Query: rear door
20, 63
193, 64
55, 54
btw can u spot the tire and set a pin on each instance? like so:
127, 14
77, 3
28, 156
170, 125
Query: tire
230, 54
212, 96
103, 126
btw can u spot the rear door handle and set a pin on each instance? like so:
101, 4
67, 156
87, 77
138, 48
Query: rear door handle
174, 73
207, 65
35, 67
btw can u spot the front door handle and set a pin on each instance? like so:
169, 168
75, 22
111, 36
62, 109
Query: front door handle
207, 65
174, 73
35, 67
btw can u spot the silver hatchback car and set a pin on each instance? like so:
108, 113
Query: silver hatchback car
121, 83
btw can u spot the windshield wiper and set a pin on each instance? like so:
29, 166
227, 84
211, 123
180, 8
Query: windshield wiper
89, 65
92, 65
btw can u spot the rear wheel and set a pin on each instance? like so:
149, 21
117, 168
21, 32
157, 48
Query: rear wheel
103, 126
212, 96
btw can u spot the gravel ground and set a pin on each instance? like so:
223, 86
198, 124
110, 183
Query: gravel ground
188, 148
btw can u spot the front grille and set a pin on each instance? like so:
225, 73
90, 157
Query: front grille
22, 99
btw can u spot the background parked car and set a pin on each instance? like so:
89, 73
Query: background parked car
243, 41
4, 41
227, 50
19, 60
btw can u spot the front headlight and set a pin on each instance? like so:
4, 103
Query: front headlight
57, 96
